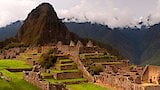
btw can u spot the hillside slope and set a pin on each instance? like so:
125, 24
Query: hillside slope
10, 30
42, 26
141, 46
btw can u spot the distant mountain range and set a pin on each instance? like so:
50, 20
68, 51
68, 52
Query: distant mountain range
10, 30
141, 46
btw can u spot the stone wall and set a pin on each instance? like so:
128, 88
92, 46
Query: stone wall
44, 49
81, 67
34, 78
119, 81
68, 49
68, 75
91, 50
73, 53
66, 67
151, 74
127, 79
11, 53
18, 70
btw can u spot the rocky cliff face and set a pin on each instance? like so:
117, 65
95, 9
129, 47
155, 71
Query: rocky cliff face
42, 26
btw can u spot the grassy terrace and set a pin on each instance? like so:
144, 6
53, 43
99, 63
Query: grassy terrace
85, 86
60, 71
28, 55
98, 57
68, 64
63, 71
16, 83
65, 60
109, 63
65, 80
13, 64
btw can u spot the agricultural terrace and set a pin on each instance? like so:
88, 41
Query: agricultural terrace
16, 82
86, 86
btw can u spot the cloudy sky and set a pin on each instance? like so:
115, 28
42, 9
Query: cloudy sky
115, 13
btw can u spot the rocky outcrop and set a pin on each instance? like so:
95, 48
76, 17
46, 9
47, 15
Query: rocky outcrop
42, 26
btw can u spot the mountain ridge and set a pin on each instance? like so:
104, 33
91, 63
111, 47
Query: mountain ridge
42, 26
141, 46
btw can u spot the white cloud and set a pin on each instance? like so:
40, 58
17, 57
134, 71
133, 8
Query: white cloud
12, 10
154, 15
101, 11
109, 12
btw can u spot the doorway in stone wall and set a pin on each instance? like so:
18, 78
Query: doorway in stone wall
158, 80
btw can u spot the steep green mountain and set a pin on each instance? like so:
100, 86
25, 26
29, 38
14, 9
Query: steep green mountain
123, 39
151, 46
141, 46
42, 26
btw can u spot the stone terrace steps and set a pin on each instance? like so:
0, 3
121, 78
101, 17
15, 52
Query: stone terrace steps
65, 64
64, 61
30, 55
63, 74
65, 71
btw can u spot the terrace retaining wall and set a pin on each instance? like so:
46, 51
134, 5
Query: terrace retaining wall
33, 78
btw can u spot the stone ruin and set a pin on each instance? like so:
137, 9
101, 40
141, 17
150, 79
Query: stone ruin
125, 78
34, 77
72, 44
79, 44
89, 44
79, 47
11, 53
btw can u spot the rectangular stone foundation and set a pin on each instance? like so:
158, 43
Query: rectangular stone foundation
68, 75
66, 67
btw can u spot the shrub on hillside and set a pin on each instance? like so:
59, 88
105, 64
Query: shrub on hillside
47, 60
95, 69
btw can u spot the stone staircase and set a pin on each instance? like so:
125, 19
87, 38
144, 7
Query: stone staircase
64, 71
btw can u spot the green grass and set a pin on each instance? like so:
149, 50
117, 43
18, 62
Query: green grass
4, 85
86, 86
98, 57
65, 60
68, 64
65, 80
109, 63
63, 71
16, 83
7, 63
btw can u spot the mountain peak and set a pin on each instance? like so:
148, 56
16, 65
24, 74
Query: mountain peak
42, 26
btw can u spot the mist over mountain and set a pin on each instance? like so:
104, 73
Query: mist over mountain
141, 46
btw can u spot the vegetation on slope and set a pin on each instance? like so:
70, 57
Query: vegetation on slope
48, 59
16, 82
7, 63
86, 86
